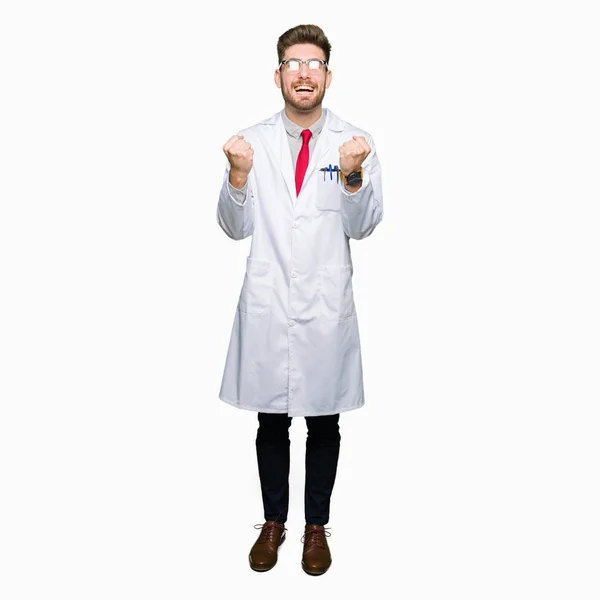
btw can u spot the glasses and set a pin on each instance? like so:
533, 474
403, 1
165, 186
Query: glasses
294, 64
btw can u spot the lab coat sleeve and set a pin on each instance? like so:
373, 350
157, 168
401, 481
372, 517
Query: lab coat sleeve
362, 210
235, 209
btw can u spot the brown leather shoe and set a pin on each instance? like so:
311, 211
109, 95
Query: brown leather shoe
263, 555
316, 557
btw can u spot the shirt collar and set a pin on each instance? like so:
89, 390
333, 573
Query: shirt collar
295, 130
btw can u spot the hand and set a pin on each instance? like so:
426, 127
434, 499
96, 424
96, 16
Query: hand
353, 153
239, 154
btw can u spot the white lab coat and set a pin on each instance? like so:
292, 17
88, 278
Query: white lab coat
294, 345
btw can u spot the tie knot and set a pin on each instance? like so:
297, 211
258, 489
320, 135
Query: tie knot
306, 133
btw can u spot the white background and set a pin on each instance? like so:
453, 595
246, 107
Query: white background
472, 470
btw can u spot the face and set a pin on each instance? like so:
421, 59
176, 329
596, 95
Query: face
316, 82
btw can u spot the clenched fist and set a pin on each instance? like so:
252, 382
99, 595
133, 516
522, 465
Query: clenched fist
239, 153
353, 153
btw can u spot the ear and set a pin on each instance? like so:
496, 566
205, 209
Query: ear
328, 78
277, 77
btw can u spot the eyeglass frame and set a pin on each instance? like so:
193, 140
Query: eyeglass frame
302, 62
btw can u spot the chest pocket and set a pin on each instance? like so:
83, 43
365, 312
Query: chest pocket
328, 191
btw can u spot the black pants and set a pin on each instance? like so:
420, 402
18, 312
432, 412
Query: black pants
273, 453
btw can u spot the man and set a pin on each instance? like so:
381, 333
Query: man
301, 183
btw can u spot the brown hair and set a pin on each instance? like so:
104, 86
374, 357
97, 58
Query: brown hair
303, 34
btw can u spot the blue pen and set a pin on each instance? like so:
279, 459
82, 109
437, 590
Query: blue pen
330, 173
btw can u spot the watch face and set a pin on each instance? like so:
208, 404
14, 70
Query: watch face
354, 178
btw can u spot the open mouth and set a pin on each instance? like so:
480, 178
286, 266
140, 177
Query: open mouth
304, 90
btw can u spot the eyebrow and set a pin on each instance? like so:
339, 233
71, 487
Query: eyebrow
294, 58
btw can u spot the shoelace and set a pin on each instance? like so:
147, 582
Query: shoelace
268, 531
316, 536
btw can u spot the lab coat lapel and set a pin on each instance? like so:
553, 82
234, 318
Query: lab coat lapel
321, 149
285, 159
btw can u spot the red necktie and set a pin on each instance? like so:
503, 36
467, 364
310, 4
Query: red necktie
302, 162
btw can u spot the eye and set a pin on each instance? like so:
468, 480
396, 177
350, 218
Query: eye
293, 65
314, 65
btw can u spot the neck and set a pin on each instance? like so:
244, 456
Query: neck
303, 119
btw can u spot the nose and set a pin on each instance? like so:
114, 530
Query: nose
303, 69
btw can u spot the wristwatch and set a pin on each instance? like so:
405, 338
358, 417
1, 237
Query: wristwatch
352, 179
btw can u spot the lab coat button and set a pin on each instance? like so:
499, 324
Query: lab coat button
295, 224
294, 274
291, 323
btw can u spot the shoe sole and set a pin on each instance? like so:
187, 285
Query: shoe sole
315, 573
264, 570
